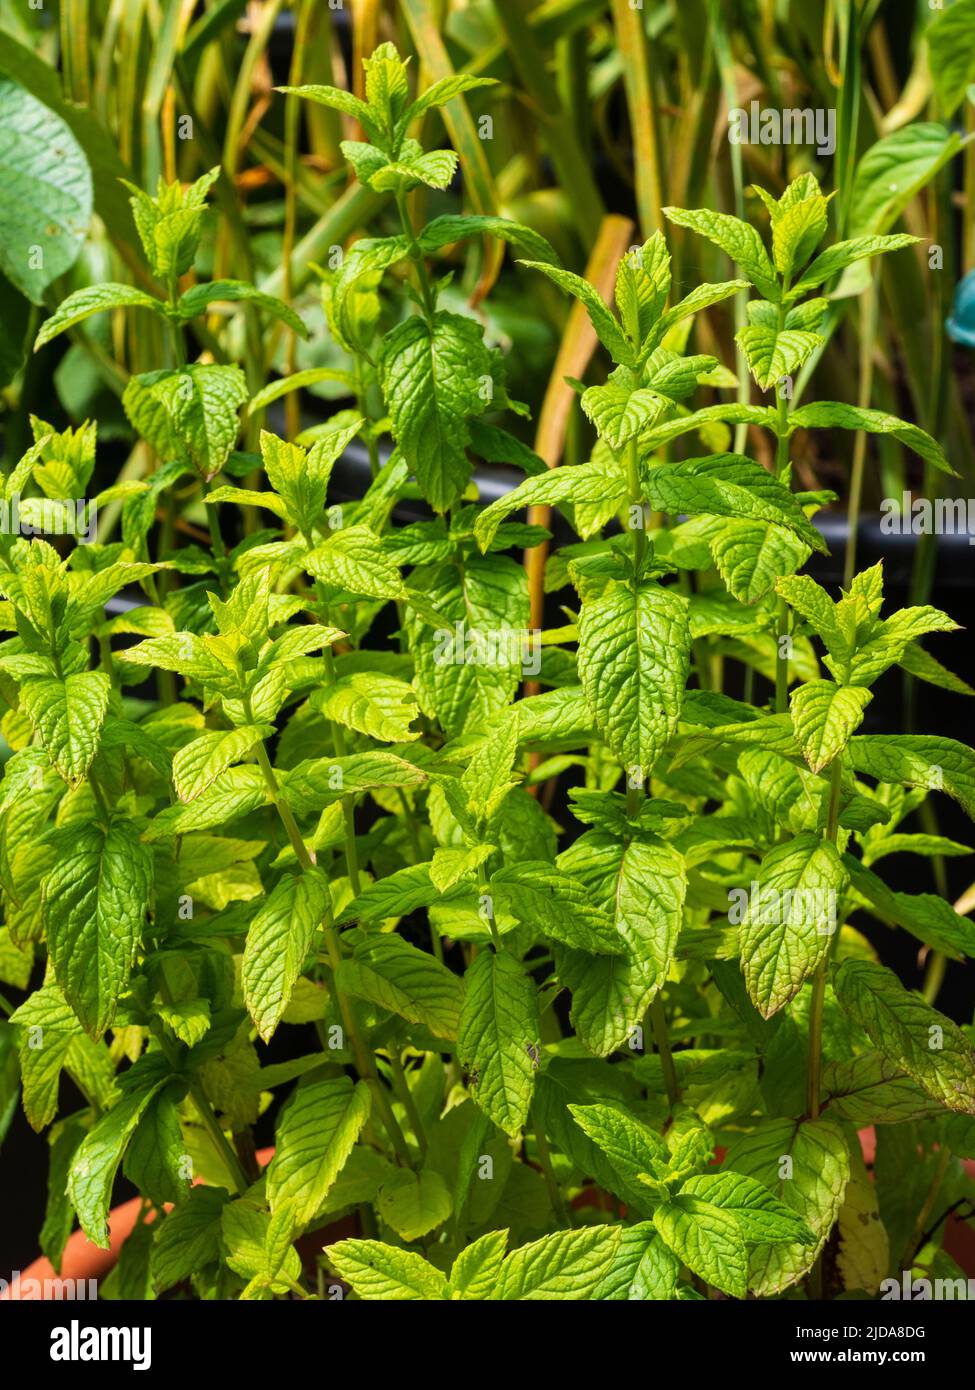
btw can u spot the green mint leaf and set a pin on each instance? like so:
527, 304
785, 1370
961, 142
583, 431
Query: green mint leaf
198, 299
824, 716
47, 1017
728, 485
773, 354
872, 1090
607, 329
498, 1038
48, 186
918, 760
316, 1132
438, 94
340, 100
319, 782
382, 1272
581, 483
951, 49
435, 376
278, 942
790, 920
189, 1238
760, 1216
409, 982
353, 560
567, 1265
622, 412
68, 715
708, 1240
96, 898
633, 1149
702, 297
540, 895
198, 764
96, 1161
380, 706
156, 1152
737, 239
812, 1184
751, 556
610, 995
643, 1268
932, 1050
633, 662
643, 281
837, 257
189, 414
832, 415
475, 1273
95, 299
414, 1204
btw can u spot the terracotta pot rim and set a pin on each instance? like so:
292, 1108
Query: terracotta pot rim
82, 1260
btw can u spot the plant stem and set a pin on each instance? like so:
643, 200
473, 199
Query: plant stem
292, 408
485, 887
364, 1058
868, 331
658, 1021
819, 980
223, 1146
401, 1086
783, 620
913, 1244
416, 256
348, 802
548, 1172
636, 504
934, 976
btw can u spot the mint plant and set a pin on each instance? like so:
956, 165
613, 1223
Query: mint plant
308, 804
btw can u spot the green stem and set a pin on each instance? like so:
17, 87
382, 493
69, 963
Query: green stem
636, 503
175, 326
783, 620
548, 1172
364, 1059
485, 887
216, 536
934, 976
361, 404
781, 656
658, 1021
220, 1140
911, 1248
99, 796
416, 256
404, 1094
819, 980
348, 802
868, 331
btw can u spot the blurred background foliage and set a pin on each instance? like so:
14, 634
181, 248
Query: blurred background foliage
604, 112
